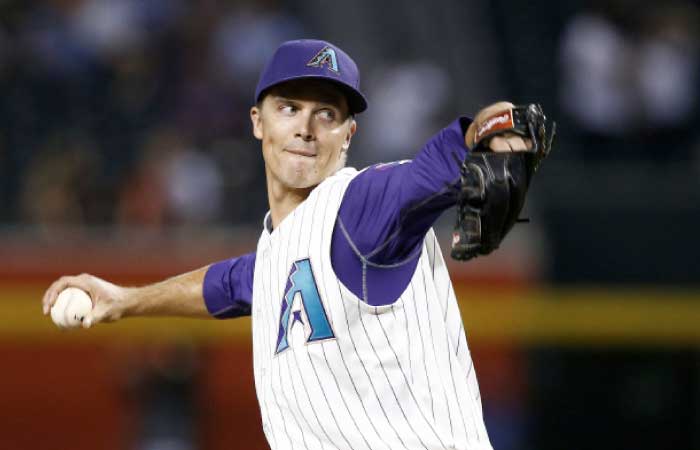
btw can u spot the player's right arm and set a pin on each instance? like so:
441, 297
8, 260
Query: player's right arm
221, 290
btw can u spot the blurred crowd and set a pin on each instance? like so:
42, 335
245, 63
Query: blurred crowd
630, 79
134, 113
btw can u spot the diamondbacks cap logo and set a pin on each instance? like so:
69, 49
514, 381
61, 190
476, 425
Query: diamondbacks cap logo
325, 56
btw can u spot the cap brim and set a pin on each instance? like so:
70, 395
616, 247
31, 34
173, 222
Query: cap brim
357, 102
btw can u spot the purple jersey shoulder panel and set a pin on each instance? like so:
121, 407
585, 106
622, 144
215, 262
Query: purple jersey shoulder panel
386, 211
383, 285
228, 287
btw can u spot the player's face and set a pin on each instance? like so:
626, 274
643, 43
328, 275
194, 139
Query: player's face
305, 129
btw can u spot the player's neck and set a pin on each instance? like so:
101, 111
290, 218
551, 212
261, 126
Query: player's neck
283, 200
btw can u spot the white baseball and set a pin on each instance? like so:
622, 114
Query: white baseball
71, 307
58, 310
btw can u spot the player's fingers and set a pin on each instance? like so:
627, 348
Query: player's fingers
51, 293
499, 144
96, 315
56, 288
88, 320
517, 143
509, 142
80, 281
100, 313
45, 300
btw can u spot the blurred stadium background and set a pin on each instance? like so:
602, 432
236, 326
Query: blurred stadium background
125, 151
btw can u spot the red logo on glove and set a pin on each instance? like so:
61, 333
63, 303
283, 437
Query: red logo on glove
501, 121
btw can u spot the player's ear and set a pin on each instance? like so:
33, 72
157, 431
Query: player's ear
351, 131
256, 119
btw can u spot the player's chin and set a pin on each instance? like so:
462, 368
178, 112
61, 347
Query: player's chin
301, 178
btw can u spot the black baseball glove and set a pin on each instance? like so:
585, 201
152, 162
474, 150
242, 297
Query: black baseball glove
494, 184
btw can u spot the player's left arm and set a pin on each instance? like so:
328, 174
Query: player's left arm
388, 208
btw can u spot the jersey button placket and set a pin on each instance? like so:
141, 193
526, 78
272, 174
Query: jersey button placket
265, 254
265, 362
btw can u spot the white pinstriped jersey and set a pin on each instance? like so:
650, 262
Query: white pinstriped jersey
332, 372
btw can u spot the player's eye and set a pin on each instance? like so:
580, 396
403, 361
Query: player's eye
287, 109
327, 115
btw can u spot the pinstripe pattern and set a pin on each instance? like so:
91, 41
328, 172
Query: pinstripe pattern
393, 377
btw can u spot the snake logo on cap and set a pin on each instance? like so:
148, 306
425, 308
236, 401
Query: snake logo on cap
325, 56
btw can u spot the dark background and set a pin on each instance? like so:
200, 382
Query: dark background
123, 120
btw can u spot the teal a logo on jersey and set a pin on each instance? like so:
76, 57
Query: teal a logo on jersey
301, 287
325, 57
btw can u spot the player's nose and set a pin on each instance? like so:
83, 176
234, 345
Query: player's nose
305, 126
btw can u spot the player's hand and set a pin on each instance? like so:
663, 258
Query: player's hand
494, 185
510, 142
503, 142
108, 299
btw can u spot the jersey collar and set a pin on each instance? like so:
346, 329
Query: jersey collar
267, 223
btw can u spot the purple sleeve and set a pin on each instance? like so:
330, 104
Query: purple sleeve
228, 287
386, 212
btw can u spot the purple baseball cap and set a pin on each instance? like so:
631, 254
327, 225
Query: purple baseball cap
310, 58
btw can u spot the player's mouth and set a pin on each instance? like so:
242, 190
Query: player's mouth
301, 152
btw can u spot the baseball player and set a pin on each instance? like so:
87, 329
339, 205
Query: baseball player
358, 341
